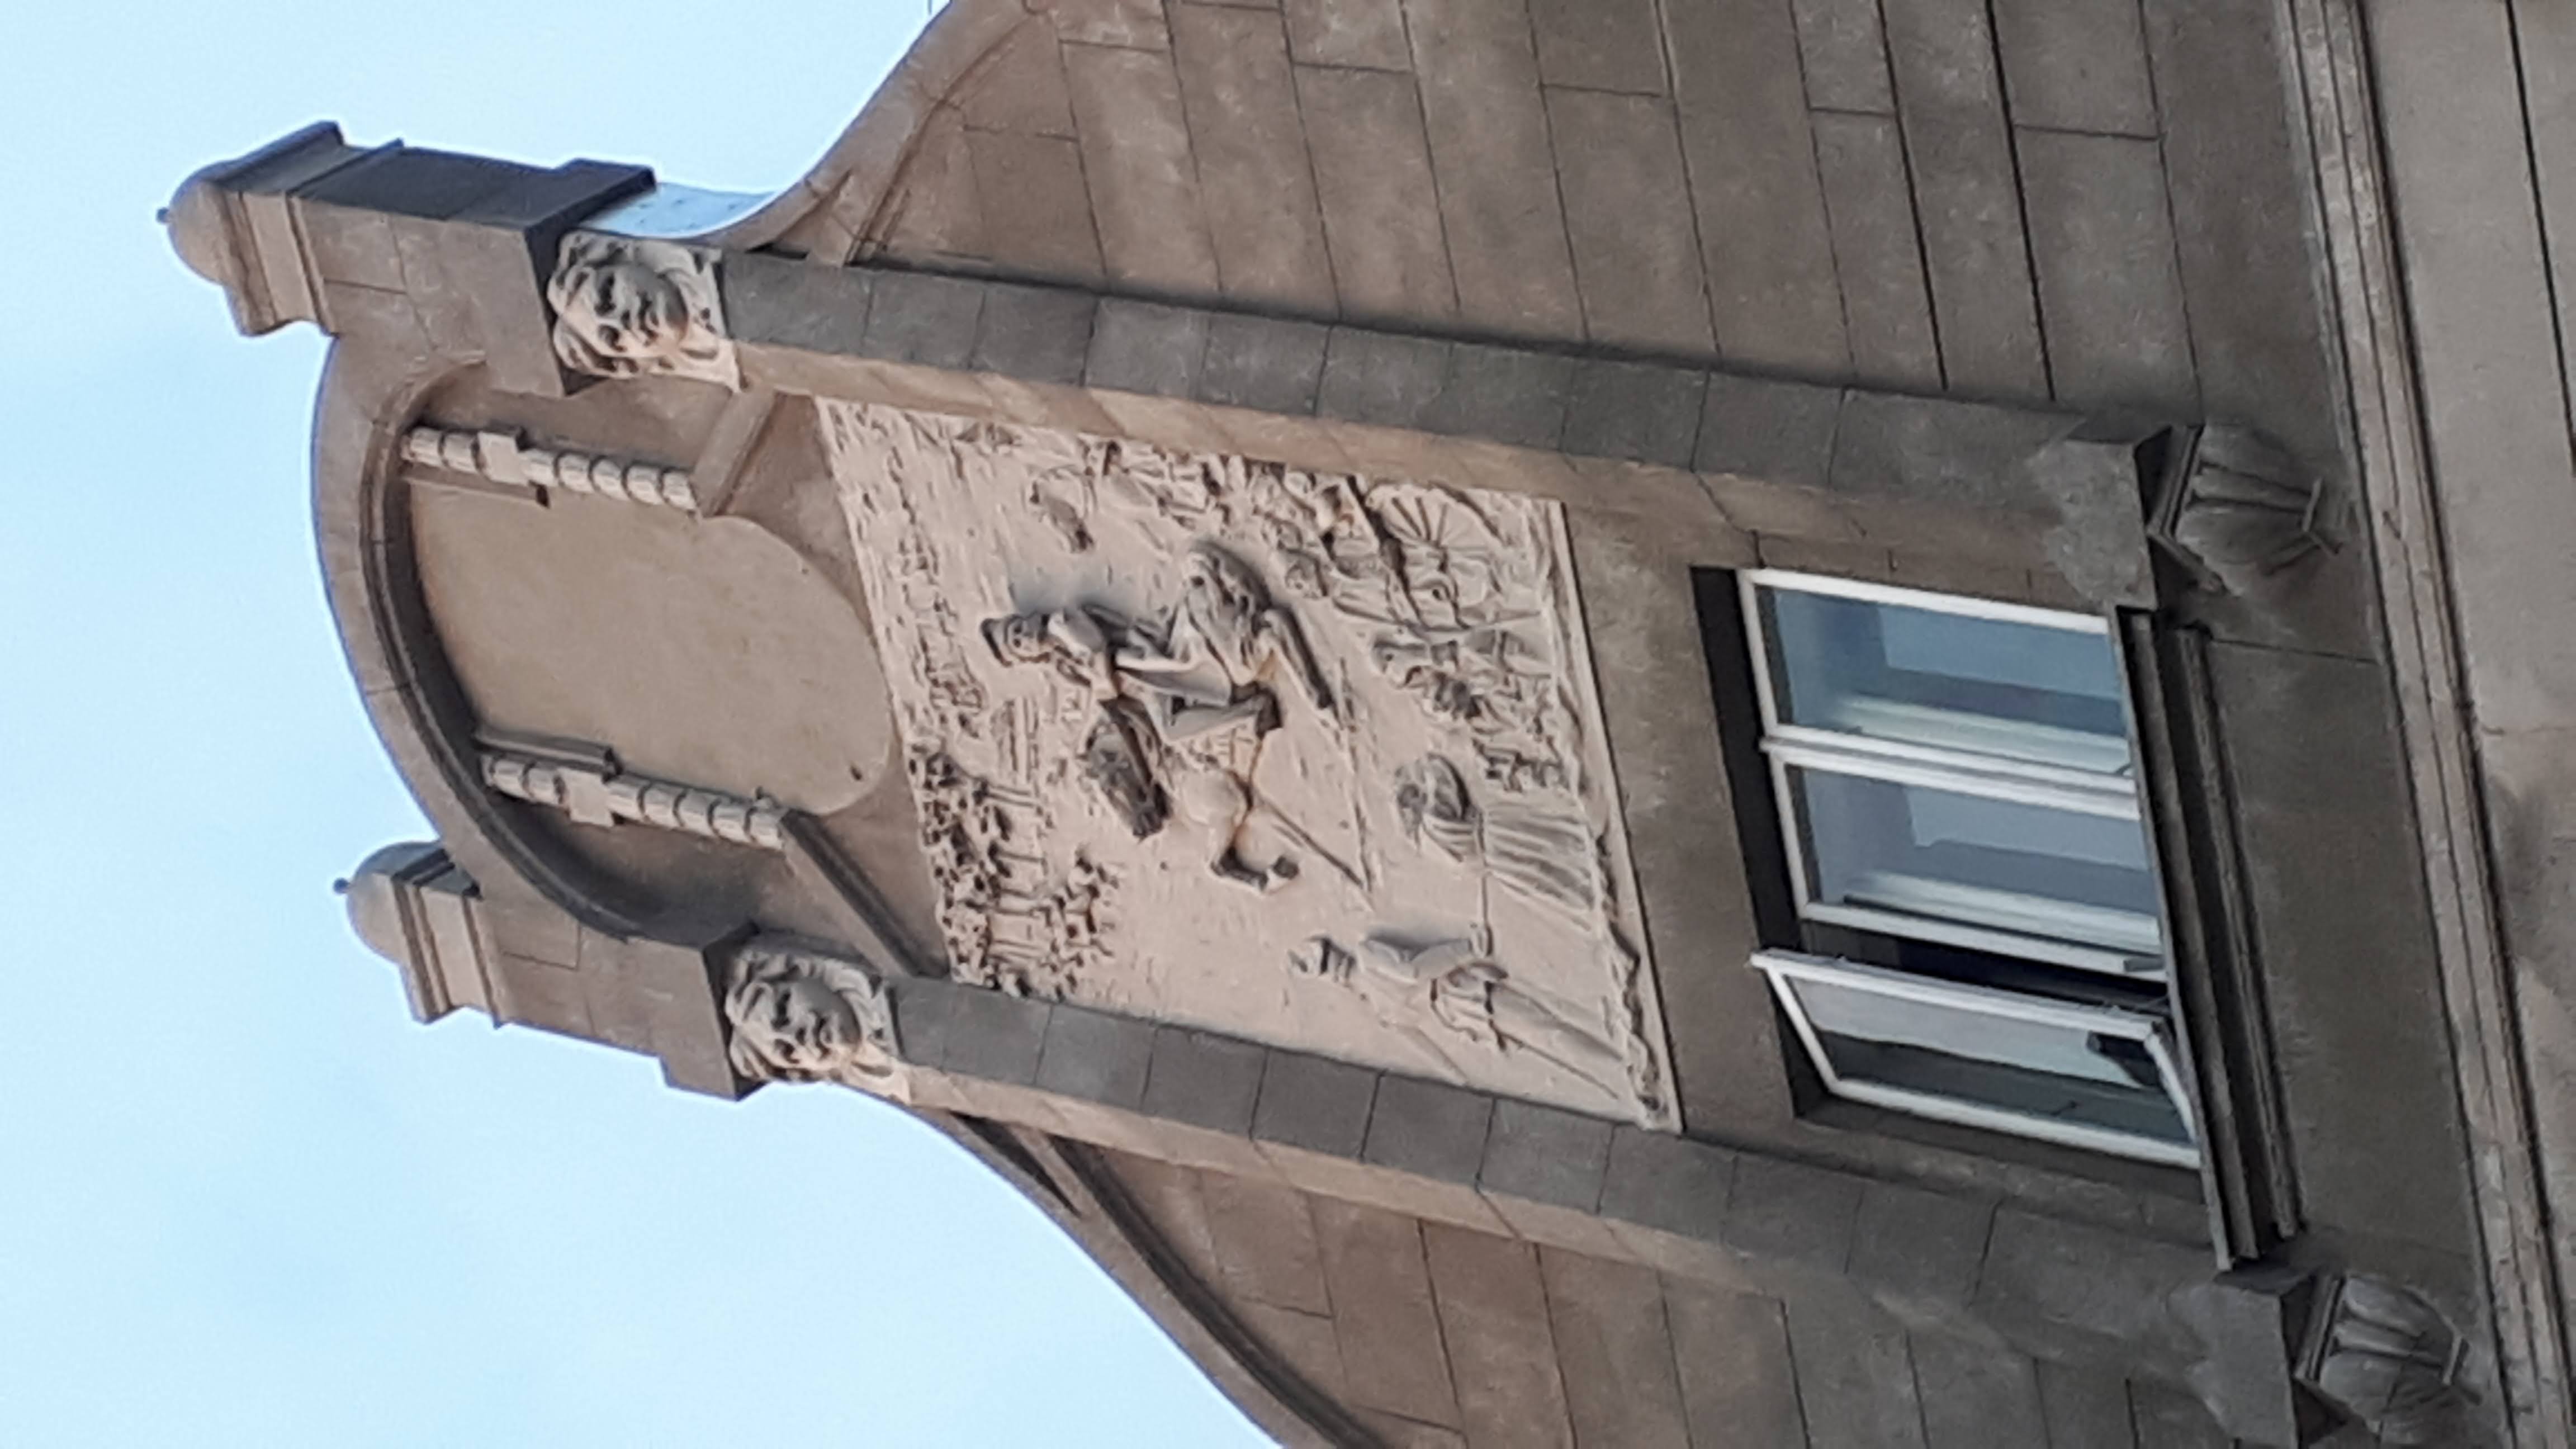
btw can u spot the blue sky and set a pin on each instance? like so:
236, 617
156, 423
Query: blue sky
243, 1199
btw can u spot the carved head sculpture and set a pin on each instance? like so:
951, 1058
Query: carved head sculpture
1324, 959
1431, 799
1018, 638
626, 307
797, 1017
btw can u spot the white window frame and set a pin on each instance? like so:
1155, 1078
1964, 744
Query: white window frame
1786, 745
1785, 967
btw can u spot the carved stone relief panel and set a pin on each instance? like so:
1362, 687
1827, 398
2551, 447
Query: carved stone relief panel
1307, 758
628, 308
795, 1015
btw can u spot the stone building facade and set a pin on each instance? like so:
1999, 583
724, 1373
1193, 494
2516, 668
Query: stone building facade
1583, 722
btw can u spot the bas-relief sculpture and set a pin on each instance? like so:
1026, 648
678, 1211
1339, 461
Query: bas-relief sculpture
1177, 724
794, 1015
628, 308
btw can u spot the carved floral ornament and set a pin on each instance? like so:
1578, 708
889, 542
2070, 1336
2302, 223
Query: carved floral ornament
630, 308
795, 1015
1179, 726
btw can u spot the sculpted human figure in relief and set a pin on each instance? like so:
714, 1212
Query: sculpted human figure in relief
1457, 985
797, 1017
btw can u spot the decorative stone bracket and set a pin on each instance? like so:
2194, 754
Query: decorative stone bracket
2236, 511
601, 794
506, 459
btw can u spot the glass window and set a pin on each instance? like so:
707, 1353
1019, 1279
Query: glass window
1955, 785
2088, 1076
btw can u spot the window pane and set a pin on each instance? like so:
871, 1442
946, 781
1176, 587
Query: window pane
1943, 855
1921, 676
2050, 1071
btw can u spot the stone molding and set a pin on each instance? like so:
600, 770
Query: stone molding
2425, 660
508, 459
600, 794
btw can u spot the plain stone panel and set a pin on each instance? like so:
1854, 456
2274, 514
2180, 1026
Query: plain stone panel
1203, 1079
2341, 927
2545, 39
1137, 23
1760, 204
1616, 1353
1977, 1396
1739, 1388
995, 1037
1878, 255
1844, 48
1020, 87
1504, 394
1502, 1353
1429, 1129
1922, 1245
2084, 1408
1145, 347
1967, 198
1096, 1056
787, 303
934, 214
1262, 363
2110, 287
1381, 378
1779, 432
1546, 1155
1488, 133
1669, 1183
1259, 186
1035, 334
2076, 65
1855, 1374
1601, 45
2047, 1271
1035, 204
1314, 1103
2476, 283
1264, 1238
1144, 181
1636, 255
1792, 1212
1305, 1340
1364, 33
1399, 1432
2242, 203
1384, 1313
1635, 412
1170, 1196
1935, 449
1381, 211
916, 317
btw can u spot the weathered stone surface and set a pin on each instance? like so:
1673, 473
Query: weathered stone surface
1600, 45
1499, 209
1136, 23
2167, 1418
1019, 88
1506, 394
1969, 201
1792, 1212
1204, 1079
1034, 334
994, 1037
1381, 211
1656, 1180
1620, 1383
1855, 1374
1145, 347
1314, 1103
2076, 65
1428, 1129
1738, 1385
1035, 206
1977, 1396
1264, 1237
786, 303
1241, 102
1918, 1244
1627, 208
1364, 33
1381, 378
1778, 432
1844, 50
2110, 289
1635, 411
1383, 1309
1763, 234
1095, 1056
920, 318
1502, 1355
1259, 363
1545, 1155
1878, 256
1144, 181
2084, 1405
